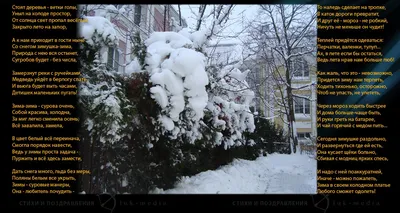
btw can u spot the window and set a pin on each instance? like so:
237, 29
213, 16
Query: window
138, 14
301, 105
158, 20
303, 135
113, 58
300, 67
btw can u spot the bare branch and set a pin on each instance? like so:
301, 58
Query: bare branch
200, 15
180, 15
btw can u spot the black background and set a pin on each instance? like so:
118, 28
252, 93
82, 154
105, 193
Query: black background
385, 198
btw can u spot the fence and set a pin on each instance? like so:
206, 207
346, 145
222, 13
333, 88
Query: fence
281, 147
308, 149
284, 148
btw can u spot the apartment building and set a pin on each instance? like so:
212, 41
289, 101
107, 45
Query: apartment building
305, 98
262, 84
271, 92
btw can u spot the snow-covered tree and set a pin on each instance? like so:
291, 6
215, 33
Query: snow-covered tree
181, 104
106, 111
229, 106
282, 38
169, 114
180, 84
177, 73
228, 109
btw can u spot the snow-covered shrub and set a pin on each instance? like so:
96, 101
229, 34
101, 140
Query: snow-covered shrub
170, 116
178, 77
187, 119
105, 110
170, 98
263, 137
228, 108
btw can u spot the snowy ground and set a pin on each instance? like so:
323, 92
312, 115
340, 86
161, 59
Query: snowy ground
274, 174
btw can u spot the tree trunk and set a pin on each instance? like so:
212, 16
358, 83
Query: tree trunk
165, 18
291, 121
87, 156
291, 117
180, 15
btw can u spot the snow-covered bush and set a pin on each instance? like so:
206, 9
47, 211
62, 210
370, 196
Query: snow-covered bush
106, 112
229, 106
170, 98
185, 90
177, 73
180, 107
264, 136
168, 115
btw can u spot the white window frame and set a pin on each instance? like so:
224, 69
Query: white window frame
302, 102
304, 69
305, 135
115, 62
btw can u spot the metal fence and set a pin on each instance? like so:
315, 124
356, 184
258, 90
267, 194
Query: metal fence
304, 148
281, 147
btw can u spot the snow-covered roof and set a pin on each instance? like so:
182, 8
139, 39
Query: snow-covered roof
224, 52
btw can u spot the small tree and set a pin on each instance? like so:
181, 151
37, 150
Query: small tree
281, 39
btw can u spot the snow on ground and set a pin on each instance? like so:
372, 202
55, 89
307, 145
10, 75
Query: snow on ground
274, 174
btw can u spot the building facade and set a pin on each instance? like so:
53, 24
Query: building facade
305, 98
223, 53
271, 95
128, 20
303, 84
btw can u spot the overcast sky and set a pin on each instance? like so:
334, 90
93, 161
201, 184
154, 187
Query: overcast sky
239, 16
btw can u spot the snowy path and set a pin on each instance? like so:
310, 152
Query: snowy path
274, 174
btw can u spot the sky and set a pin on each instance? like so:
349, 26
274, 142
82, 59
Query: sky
237, 24
239, 16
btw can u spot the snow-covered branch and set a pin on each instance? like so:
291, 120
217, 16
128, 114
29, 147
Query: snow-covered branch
304, 86
304, 97
288, 57
200, 15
